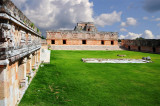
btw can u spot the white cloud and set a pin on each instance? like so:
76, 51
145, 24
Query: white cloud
130, 35
123, 30
130, 22
122, 37
157, 19
145, 18
55, 14
63, 14
108, 19
19, 3
147, 35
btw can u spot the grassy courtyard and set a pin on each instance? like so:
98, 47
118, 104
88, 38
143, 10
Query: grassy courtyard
69, 81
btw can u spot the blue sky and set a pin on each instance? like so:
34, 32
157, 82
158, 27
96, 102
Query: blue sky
131, 18
129, 8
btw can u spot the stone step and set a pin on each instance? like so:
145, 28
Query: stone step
84, 47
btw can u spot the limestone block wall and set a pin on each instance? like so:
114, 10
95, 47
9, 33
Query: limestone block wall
19, 53
77, 37
79, 42
147, 45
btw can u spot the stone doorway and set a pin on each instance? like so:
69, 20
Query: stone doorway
154, 49
139, 48
129, 48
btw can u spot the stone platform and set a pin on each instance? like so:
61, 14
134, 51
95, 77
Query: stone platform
45, 55
84, 47
96, 60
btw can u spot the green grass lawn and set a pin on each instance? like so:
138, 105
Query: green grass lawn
69, 81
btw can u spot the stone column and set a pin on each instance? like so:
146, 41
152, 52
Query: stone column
3, 86
29, 64
33, 61
39, 56
22, 73
37, 62
3, 82
24, 65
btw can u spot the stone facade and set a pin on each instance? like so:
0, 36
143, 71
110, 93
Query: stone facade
147, 45
19, 53
85, 33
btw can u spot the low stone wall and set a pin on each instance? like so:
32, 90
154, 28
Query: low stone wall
147, 45
84, 47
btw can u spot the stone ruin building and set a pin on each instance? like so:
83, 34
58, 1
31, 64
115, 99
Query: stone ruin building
145, 45
20, 43
84, 35
19, 53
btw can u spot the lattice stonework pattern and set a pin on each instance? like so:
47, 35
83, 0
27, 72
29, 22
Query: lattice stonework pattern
19, 53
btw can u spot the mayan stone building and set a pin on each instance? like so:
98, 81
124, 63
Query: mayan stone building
19, 53
84, 34
145, 45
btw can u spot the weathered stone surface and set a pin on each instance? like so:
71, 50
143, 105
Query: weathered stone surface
84, 47
4, 62
99, 60
146, 45
148, 58
8, 7
18, 41
84, 31
145, 42
45, 56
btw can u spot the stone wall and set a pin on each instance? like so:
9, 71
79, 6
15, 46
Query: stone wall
73, 37
147, 45
84, 47
19, 53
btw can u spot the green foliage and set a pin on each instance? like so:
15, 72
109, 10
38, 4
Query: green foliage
37, 30
67, 81
140, 38
34, 69
43, 37
119, 40
24, 21
32, 25
29, 77
49, 46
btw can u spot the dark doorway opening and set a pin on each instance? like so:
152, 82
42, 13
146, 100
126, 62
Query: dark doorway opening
102, 42
112, 42
154, 49
64, 41
53, 41
129, 48
139, 48
83, 41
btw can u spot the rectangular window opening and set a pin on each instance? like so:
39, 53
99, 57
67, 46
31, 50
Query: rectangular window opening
83, 41
53, 41
64, 41
102, 42
112, 42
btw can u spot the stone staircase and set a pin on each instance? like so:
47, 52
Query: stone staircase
85, 47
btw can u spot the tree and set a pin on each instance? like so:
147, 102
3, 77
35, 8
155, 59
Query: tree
140, 38
43, 37
119, 40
